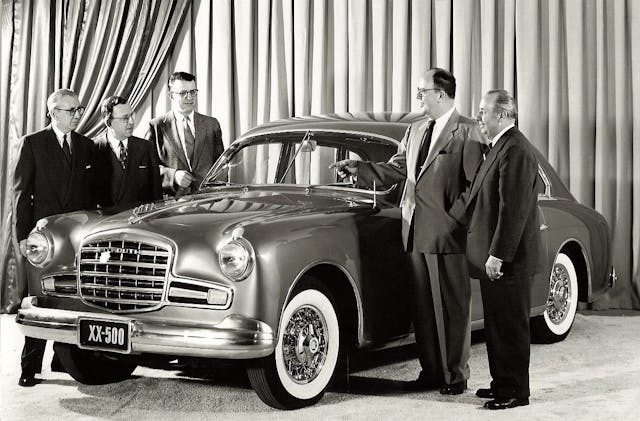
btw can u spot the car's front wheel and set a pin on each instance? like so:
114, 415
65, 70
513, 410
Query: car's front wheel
91, 367
556, 321
306, 354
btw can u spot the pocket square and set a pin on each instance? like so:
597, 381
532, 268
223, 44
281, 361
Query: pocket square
142, 166
87, 167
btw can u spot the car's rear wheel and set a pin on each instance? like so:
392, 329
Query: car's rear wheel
306, 355
92, 367
556, 321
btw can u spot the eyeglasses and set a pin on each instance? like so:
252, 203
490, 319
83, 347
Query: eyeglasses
72, 111
422, 92
184, 94
127, 117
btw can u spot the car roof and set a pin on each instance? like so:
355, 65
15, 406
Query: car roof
388, 124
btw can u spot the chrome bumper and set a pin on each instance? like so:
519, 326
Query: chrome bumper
235, 337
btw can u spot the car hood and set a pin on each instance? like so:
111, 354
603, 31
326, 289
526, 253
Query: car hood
226, 209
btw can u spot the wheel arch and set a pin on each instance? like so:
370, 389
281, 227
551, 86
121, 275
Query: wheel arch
344, 290
574, 249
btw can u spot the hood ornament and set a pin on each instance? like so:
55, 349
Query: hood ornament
138, 212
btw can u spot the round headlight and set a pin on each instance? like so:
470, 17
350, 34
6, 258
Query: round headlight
236, 259
39, 249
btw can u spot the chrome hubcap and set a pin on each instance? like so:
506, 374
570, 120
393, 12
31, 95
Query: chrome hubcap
304, 344
559, 294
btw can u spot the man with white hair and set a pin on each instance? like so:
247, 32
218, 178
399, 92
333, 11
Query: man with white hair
53, 175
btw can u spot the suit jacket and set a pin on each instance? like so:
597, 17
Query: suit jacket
138, 183
503, 210
45, 184
449, 170
163, 131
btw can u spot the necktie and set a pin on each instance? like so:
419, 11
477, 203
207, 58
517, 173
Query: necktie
66, 149
424, 148
189, 140
123, 155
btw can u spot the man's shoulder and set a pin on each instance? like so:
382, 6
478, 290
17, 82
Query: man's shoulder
207, 119
161, 119
463, 120
37, 136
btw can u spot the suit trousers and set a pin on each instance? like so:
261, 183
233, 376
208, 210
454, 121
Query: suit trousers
507, 303
32, 354
442, 314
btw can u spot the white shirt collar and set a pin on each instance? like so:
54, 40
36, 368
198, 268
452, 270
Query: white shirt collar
115, 143
60, 135
442, 120
180, 117
499, 135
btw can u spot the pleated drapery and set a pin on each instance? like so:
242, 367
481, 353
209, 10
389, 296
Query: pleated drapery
573, 66
97, 49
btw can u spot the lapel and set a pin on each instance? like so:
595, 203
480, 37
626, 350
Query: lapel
443, 139
53, 150
490, 159
172, 136
200, 138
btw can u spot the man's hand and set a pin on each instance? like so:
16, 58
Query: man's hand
23, 247
183, 178
345, 167
492, 267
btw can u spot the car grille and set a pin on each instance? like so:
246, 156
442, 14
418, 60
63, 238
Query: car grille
123, 275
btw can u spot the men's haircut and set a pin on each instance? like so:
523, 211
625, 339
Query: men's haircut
53, 99
504, 103
106, 109
187, 77
444, 80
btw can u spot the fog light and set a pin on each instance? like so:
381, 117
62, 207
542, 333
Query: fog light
217, 297
48, 284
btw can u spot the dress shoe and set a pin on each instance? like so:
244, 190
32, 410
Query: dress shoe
27, 380
506, 403
453, 388
486, 393
423, 382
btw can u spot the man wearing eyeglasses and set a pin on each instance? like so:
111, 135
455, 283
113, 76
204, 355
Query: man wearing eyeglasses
127, 172
437, 162
187, 142
53, 175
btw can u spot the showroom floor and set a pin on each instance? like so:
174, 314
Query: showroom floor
593, 375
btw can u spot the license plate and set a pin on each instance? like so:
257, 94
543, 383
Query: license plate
104, 335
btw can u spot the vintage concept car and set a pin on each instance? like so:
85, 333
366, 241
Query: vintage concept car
276, 262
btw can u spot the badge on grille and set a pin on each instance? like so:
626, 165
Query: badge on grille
105, 256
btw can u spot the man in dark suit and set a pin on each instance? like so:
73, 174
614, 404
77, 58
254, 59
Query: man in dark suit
187, 142
127, 172
438, 160
502, 247
53, 175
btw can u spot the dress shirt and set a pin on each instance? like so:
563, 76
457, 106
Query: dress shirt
440, 123
60, 136
115, 144
497, 137
180, 126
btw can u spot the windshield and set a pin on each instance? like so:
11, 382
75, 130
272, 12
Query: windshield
299, 158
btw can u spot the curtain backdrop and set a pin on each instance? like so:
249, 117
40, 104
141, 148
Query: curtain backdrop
97, 49
573, 66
